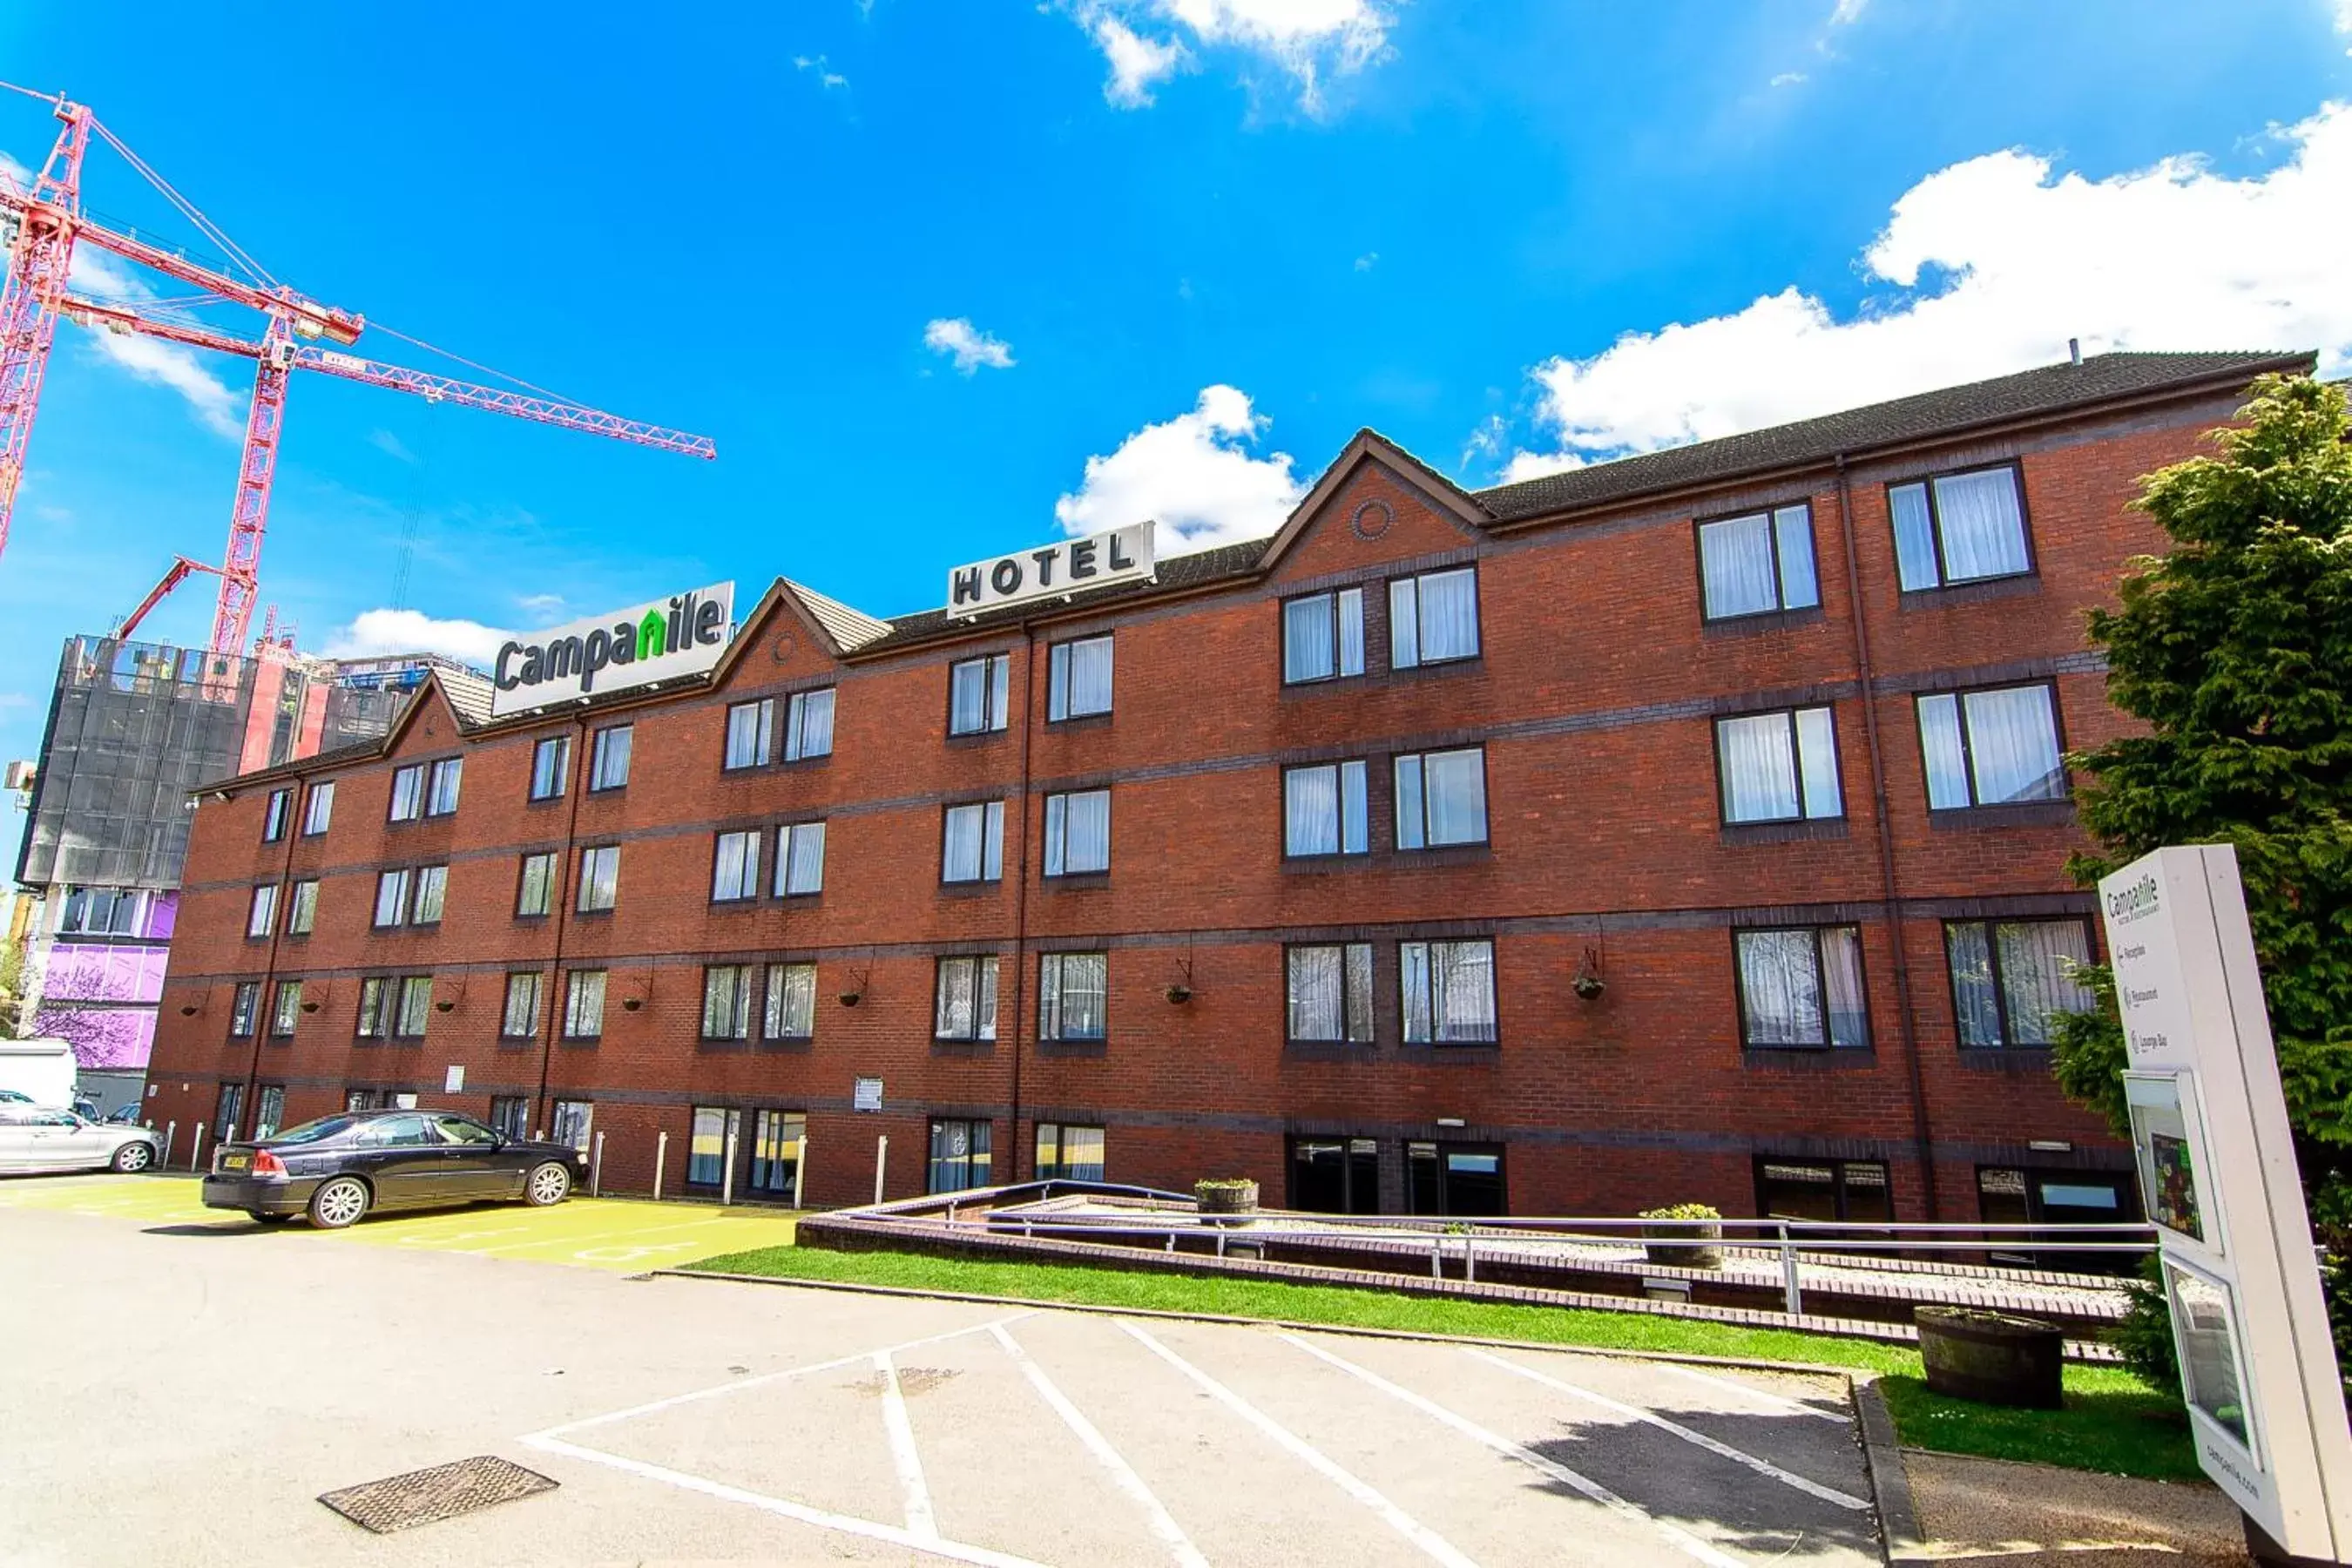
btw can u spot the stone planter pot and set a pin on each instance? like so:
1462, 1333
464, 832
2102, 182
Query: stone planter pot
1992, 1357
1684, 1246
1227, 1205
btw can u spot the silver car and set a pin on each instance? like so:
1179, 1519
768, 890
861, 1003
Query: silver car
35, 1140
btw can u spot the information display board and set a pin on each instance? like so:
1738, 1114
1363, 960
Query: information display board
2217, 1171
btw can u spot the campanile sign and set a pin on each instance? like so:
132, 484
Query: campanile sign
2218, 1174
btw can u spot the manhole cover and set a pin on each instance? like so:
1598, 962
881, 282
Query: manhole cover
445, 1491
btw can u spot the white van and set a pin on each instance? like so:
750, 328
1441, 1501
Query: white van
42, 1070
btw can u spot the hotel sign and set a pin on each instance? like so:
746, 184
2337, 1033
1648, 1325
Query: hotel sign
682, 635
1121, 555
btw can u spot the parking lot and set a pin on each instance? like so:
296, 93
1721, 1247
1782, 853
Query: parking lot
183, 1393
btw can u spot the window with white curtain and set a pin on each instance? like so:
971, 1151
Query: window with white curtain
391, 897
1754, 564
318, 810
432, 892
583, 1005
407, 793
808, 726
535, 884
1328, 992
600, 878
1077, 833
263, 912
1960, 527
1801, 988
735, 867
750, 734
800, 860
608, 757
551, 766
971, 845
1324, 810
441, 797
965, 998
1991, 747
977, 694
1434, 618
1441, 799
791, 1003
275, 814
1448, 992
1077, 681
1779, 767
1073, 996
1323, 636
2011, 979
519, 1019
286, 1009
1071, 1153
727, 1001
302, 908
245, 1010
415, 1007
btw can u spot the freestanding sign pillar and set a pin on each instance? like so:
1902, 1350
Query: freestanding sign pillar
2218, 1173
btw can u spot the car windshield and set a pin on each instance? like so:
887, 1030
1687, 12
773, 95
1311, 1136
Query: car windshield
317, 1131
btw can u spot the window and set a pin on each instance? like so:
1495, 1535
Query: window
1077, 833
408, 793
285, 1009
320, 809
378, 999
1441, 799
707, 1146
776, 1137
1958, 528
583, 1005
2059, 1196
600, 878
1434, 618
263, 914
608, 757
972, 850
959, 1155
1449, 992
735, 867
1073, 992
977, 689
800, 860
1754, 564
269, 1113
392, 897
1464, 1180
441, 799
520, 1018
1323, 636
965, 997
2011, 979
750, 734
274, 814
302, 907
367, 1099
1323, 810
1334, 1175
791, 1012
1779, 767
228, 1112
432, 892
245, 1009
1800, 988
727, 1001
535, 887
1990, 748
574, 1120
1069, 1153
100, 912
1329, 993
415, 1008
510, 1116
808, 726
551, 766
1077, 680
1830, 1191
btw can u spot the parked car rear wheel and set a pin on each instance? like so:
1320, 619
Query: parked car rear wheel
547, 1184
135, 1156
339, 1203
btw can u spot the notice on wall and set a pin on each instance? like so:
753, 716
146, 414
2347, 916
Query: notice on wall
454, 1080
867, 1095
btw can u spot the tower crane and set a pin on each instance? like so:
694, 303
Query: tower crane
43, 220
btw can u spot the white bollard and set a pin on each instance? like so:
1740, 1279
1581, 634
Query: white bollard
170, 1136
881, 1159
596, 1168
661, 1158
196, 1150
799, 1170
727, 1176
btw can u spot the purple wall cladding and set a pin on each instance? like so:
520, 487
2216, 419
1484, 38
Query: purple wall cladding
102, 1037
89, 973
162, 914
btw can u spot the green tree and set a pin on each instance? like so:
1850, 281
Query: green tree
2235, 649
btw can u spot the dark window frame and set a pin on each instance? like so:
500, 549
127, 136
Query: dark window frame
277, 815
562, 779
996, 719
777, 882
324, 789
766, 737
1046, 838
938, 981
1338, 671
600, 746
433, 776
580, 890
550, 887
1770, 511
747, 996
1960, 695
1485, 839
294, 906
1796, 758
984, 878
1060, 681
767, 1000
758, 838
1420, 659
1944, 578
788, 737
604, 995
1372, 994
285, 1009
1338, 766
413, 771
1352, 1202
1991, 924
1054, 1170
1820, 972
245, 1010
1495, 985
1441, 1148
1061, 1035
1839, 1186
538, 979
982, 1125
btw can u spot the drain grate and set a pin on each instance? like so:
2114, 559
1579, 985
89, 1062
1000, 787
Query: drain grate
445, 1491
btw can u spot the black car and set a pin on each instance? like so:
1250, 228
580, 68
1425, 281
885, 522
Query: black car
339, 1167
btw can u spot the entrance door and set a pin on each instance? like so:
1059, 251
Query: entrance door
776, 1153
1463, 1181
2008, 1194
1334, 1175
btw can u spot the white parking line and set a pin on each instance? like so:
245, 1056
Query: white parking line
1432, 1543
954, 1551
1635, 1412
1778, 1401
1163, 1524
921, 1523
1681, 1538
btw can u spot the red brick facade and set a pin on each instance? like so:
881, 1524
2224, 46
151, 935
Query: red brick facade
1593, 695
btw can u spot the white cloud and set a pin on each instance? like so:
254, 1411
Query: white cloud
1366, 262
376, 632
825, 75
1788, 78
1996, 263
1193, 474
1848, 12
1312, 40
542, 606
100, 276
971, 348
391, 445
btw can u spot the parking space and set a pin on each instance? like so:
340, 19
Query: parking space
687, 1420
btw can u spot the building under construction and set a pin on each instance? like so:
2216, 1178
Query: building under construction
134, 728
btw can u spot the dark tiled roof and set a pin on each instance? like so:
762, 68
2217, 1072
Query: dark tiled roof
1175, 571
2031, 393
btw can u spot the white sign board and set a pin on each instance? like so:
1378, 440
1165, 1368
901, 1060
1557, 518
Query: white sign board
1121, 555
2218, 1174
657, 640
453, 1081
868, 1096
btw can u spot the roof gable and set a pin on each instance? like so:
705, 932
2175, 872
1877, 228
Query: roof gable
1369, 446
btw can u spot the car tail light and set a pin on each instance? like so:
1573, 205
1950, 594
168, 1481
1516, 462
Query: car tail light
265, 1163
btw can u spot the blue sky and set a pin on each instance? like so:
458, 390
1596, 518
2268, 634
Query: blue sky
943, 277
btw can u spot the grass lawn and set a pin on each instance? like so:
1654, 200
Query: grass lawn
2113, 1422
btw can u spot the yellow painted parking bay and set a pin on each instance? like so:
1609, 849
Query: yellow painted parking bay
624, 1234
